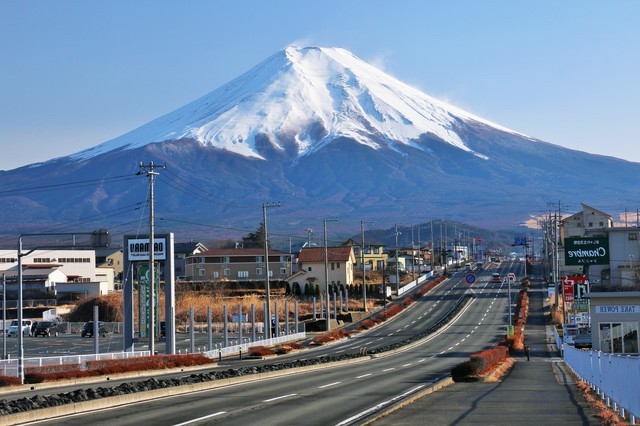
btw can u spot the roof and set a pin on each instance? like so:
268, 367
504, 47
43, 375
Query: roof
316, 254
188, 247
239, 252
596, 210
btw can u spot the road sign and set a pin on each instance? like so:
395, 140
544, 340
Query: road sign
470, 278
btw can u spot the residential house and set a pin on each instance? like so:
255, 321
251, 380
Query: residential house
180, 253
311, 260
375, 258
238, 265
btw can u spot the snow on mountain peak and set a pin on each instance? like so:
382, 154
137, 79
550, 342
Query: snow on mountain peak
310, 95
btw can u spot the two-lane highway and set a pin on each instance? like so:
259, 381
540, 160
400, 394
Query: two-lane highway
340, 394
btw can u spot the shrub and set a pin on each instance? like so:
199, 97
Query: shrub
32, 378
9, 381
330, 336
260, 351
465, 370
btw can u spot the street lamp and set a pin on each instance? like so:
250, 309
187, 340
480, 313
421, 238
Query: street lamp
267, 313
364, 284
326, 270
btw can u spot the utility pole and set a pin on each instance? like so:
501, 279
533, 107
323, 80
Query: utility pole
150, 169
309, 233
267, 312
364, 281
397, 265
326, 269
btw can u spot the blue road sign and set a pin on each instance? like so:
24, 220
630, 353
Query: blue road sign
470, 278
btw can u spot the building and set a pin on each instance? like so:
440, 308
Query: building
581, 224
237, 265
180, 253
615, 319
375, 258
311, 260
110, 258
60, 273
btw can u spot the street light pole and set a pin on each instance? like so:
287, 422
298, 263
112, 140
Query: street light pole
267, 312
364, 283
326, 270
397, 265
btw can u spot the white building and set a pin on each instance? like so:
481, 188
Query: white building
57, 271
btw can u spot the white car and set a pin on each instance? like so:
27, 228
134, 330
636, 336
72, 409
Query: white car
13, 328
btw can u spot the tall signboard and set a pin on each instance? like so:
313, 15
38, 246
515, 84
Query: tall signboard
136, 259
580, 251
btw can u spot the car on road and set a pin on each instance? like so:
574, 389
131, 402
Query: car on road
495, 277
46, 329
26, 328
87, 329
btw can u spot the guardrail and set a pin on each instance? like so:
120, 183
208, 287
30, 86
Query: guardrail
234, 349
414, 283
9, 367
558, 340
614, 377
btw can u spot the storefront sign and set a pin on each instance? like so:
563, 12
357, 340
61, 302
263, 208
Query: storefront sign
617, 309
139, 249
586, 251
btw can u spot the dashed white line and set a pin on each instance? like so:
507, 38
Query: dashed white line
364, 375
202, 418
389, 369
280, 397
406, 365
329, 385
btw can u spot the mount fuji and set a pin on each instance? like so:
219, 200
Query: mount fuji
326, 134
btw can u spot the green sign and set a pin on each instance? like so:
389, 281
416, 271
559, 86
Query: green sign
145, 298
586, 251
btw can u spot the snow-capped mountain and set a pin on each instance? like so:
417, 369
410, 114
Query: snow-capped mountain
326, 134
302, 99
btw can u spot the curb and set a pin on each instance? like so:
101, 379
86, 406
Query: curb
442, 383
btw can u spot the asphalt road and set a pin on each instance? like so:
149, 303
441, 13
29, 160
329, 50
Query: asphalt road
342, 394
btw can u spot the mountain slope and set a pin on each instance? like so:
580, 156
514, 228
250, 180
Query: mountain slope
327, 135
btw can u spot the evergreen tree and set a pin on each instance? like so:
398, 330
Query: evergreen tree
254, 239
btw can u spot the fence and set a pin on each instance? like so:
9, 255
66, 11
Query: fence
234, 349
614, 377
9, 367
414, 283
558, 340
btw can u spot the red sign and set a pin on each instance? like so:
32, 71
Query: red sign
567, 289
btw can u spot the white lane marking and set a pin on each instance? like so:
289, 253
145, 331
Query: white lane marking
389, 369
280, 397
463, 340
201, 418
447, 349
364, 375
406, 365
379, 406
422, 359
388, 335
329, 385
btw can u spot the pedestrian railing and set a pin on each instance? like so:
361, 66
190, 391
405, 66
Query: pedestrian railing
614, 377
414, 283
236, 347
9, 367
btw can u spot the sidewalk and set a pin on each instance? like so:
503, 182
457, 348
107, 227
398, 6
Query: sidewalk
538, 391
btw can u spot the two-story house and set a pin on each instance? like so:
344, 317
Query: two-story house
238, 265
340, 266
180, 253
375, 258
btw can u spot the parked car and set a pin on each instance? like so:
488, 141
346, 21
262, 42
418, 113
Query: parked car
26, 328
495, 277
46, 329
87, 329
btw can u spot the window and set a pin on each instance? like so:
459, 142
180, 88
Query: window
633, 236
590, 224
356, 250
259, 259
338, 265
376, 250
201, 272
216, 274
578, 225
258, 271
601, 223
309, 269
333, 266
619, 337
283, 271
225, 272
243, 274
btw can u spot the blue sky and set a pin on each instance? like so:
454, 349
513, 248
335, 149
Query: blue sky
74, 74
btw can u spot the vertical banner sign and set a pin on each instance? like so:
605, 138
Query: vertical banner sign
143, 300
567, 289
